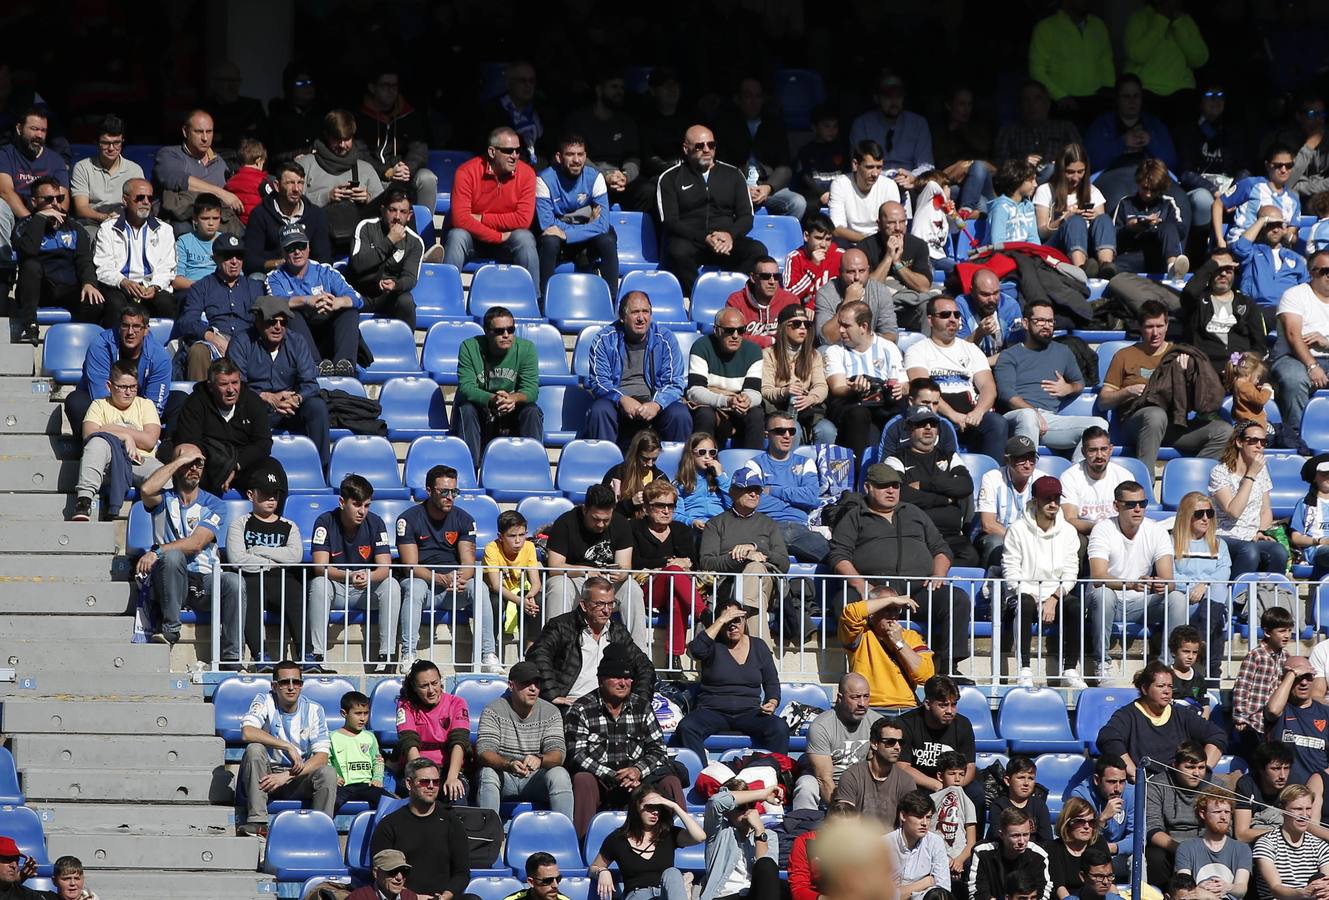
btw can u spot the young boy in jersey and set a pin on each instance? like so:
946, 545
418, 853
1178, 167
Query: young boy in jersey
957, 817
1021, 779
510, 570
193, 250
1185, 646
355, 755
815, 263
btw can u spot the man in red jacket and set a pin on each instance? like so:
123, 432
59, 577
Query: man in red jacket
493, 202
761, 300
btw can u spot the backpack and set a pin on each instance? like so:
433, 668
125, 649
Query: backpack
1086, 359
798, 716
484, 832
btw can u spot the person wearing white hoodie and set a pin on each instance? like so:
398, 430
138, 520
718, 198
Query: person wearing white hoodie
1039, 565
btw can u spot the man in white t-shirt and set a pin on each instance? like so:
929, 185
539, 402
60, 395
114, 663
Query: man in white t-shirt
1087, 488
857, 195
968, 390
1130, 560
1003, 495
1301, 356
865, 376
1319, 657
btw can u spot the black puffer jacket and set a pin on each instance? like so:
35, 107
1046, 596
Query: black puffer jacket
557, 651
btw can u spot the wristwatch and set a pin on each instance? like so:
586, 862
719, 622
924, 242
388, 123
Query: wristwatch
899, 644
759, 837
156, 548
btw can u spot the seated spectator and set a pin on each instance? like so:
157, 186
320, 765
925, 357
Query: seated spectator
68, 877
351, 557
1011, 217
742, 541
705, 227
957, 817
1301, 355
1309, 528
661, 121
1223, 864
1317, 237
1072, 214
1257, 812
888, 542
922, 392
1150, 227
1259, 675
904, 265
752, 139
612, 133
250, 181
761, 301
1037, 138
614, 741
806, 878
814, 264
991, 318
1203, 568
237, 116
389, 879
1290, 717
1039, 378
793, 378
217, 308
386, 253
434, 725
1126, 137
877, 784
286, 750
542, 879
792, 489
1213, 152
936, 219
963, 146
54, 264
629, 479
1078, 832
1150, 411
127, 340
193, 249
1288, 858
355, 754
281, 207
279, 366
1247, 197
703, 484
436, 539
134, 257
1152, 727
340, 179
667, 553
837, 739
1089, 487
745, 854
905, 134
724, 383
1017, 792
96, 184
329, 305
230, 423
192, 167
493, 202
940, 484
572, 213
821, 160
1219, 321
588, 541
922, 867
1240, 487
1013, 860
122, 420
512, 574
644, 849
638, 377
853, 285
498, 381
1111, 798
864, 378
857, 196
570, 646
516, 112
398, 148
1268, 269
428, 835
739, 685
24, 160
968, 390
520, 748
893, 658
265, 548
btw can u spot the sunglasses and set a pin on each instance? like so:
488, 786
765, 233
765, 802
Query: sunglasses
725, 331
800, 324
1203, 514
766, 276
429, 782
708, 452
1133, 504
288, 682
1320, 271
396, 873
139, 198
445, 492
946, 314
1214, 95
50, 198
703, 145
509, 151
1081, 823
303, 82
889, 742
782, 432
1255, 441
661, 505
295, 248
1227, 270
552, 879
1286, 165
511, 329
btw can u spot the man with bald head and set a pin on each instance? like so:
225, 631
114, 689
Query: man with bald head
724, 383
903, 265
989, 319
134, 257
190, 168
853, 285
1268, 268
837, 739
706, 211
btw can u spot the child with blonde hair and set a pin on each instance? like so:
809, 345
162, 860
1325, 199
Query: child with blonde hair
1246, 376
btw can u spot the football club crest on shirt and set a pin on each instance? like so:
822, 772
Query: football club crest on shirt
365, 551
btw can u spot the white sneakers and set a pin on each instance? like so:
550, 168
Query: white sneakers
490, 664
404, 664
1073, 679
1180, 266
1026, 678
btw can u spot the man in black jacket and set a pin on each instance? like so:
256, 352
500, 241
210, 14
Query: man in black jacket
230, 422
937, 483
395, 134
706, 211
386, 252
1012, 855
1214, 283
55, 262
282, 207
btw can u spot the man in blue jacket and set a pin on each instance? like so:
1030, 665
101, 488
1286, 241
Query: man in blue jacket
792, 491
572, 207
329, 304
638, 375
280, 368
130, 339
1268, 269
216, 308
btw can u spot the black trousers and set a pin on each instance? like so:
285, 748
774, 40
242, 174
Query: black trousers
161, 305
337, 336
392, 305
748, 429
34, 289
264, 590
684, 256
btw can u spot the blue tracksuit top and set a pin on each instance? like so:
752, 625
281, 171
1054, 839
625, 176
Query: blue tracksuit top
567, 203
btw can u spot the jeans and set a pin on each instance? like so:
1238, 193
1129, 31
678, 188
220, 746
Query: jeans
601, 250
671, 888
477, 425
326, 594
1147, 427
976, 191
804, 544
1063, 431
1292, 382
280, 591
335, 337
552, 786
1075, 233
767, 731
1256, 556
417, 595
95, 463
6, 232
319, 786
1108, 607
562, 591
174, 587
989, 437
823, 432
460, 245
785, 202
604, 423
1202, 204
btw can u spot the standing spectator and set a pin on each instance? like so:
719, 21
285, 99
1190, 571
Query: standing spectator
853, 285
521, 747
1151, 230
809, 267
134, 256
903, 135
940, 484
1070, 54
498, 380
1268, 269
1164, 47
1220, 321
192, 167
1111, 798
1222, 864
389, 882
1301, 356
434, 725
493, 201
281, 207
1072, 214
286, 750
1308, 174
123, 418
856, 197
740, 851
1203, 569
1288, 858
55, 265
744, 542
1292, 716
667, 553
429, 835
1152, 727
1240, 487
398, 147
892, 658
230, 423
876, 786
23, 160
1259, 675
754, 142
339, 179
129, 340
792, 489
864, 378
385, 258
218, 308
761, 301
1078, 832
329, 305
1009, 860
703, 484
644, 849
707, 226
837, 739
97, 183
724, 383
1035, 138
793, 378
612, 134
572, 213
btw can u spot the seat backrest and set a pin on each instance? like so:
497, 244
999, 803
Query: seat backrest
541, 512
1053, 465
437, 450
10, 792
23, 825
358, 841
304, 511
664, 290
1141, 474
352, 386
438, 291
637, 242
1285, 473
1106, 351
1033, 714
584, 463
393, 344
302, 843
581, 351
564, 407
974, 707
516, 463
1061, 772
368, 455
65, 346
804, 692
543, 830
484, 510
1183, 475
978, 464
735, 458
299, 458
439, 354
578, 296
503, 285
1094, 707
671, 454
780, 234
798, 92
327, 691
232, 699
413, 403
552, 357
602, 825
444, 163
383, 707
711, 291
496, 887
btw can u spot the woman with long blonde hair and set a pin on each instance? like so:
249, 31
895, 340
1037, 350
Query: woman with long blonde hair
638, 469
1202, 567
1078, 829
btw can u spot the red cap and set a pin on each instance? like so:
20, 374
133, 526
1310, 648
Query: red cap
8, 847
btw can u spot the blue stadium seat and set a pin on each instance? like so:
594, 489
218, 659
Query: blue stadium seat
413, 407
978, 465
161, 329
541, 512
685, 340
513, 468
689, 761
304, 510
1285, 473
547, 831
565, 408
444, 163
479, 691
552, 355
436, 450
1283, 589
1035, 721
1060, 773
602, 825
581, 351
484, 510
299, 457
393, 344
503, 285
638, 247
327, 690
496, 887
1321, 608
138, 535
798, 91
424, 224
303, 844
231, 700
1055, 466
1082, 405
66, 344
1106, 351
807, 693
974, 707
143, 154
1094, 706
358, 858
52, 315
345, 383
372, 457
576, 888
45, 884
574, 300
671, 454
691, 858
984, 760
1183, 475
735, 458
780, 234
1141, 474
584, 463
711, 291
22, 824
10, 793
438, 357
439, 296
665, 292
383, 711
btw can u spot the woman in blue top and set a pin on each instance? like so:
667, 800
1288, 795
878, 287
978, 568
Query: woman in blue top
703, 486
1202, 567
1011, 216
1310, 519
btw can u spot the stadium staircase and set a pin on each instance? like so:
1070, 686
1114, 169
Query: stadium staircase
117, 755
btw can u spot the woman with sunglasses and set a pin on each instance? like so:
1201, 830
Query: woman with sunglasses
643, 847
666, 551
703, 485
1077, 830
638, 469
436, 725
1202, 567
1309, 529
793, 376
1240, 487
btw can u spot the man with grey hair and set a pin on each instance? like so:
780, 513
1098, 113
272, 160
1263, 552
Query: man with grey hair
724, 383
837, 739
493, 202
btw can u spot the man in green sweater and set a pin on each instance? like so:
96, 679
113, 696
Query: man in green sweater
497, 382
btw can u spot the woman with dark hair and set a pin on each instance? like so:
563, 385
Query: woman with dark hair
434, 724
1078, 830
1239, 487
643, 847
1011, 216
637, 470
1072, 216
1153, 727
1309, 530
793, 377
666, 552
703, 485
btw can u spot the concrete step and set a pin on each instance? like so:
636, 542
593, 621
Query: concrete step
31, 387
105, 717
64, 598
139, 884
34, 415
42, 446
20, 536
22, 474
68, 628
133, 818
178, 784
65, 752
127, 851
104, 685
46, 568
40, 506
38, 658
16, 359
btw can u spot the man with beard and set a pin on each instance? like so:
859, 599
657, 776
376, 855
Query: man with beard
395, 133
338, 180
385, 259
837, 739
55, 263
1220, 320
989, 319
1112, 799
611, 133
875, 785
284, 206
572, 206
22, 163
938, 483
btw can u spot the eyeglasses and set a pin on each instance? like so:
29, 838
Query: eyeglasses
133, 328
708, 452
726, 331
510, 329
297, 248
766, 276
1100, 876
781, 432
140, 198
1133, 504
889, 742
127, 388
510, 151
303, 82
946, 314
196, 463
1214, 95
118, 142
445, 492
800, 324
289, 682
703, 145
428, 782
49, 198
1313, 113
662, 505
600, 604
1255, 441
1203, 514
552, 879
